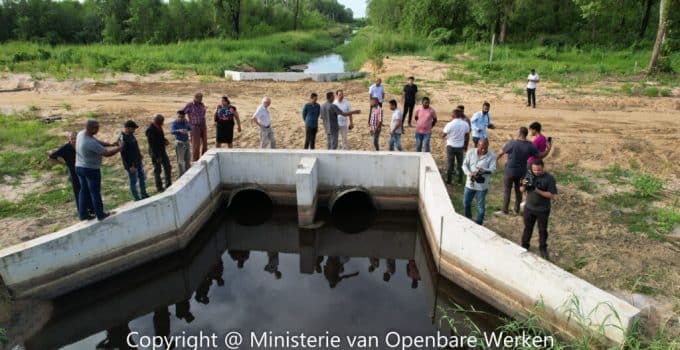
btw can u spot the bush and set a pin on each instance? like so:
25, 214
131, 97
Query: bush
651, 91
441, 36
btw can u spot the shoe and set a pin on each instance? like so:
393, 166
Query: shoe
500, 212
106, 215
544, 254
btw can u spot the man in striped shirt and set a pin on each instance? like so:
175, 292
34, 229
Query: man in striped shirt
375, 118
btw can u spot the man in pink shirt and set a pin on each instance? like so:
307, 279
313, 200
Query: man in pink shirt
539, 141
426, 118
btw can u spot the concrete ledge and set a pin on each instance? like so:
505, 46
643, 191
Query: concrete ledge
307, 183
292, 76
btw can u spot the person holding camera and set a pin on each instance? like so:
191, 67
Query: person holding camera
480, 122
540, 187
478, 166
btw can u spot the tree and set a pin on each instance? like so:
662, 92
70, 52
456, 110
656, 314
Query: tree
645, 18
664, 7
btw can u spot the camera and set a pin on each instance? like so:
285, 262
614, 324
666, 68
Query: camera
530, 180
479, 178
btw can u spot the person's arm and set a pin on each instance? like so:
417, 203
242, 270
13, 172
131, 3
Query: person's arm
104, 143
56, 156
501, 152
238, 121
255, 120
466, 166
173, 129
544, 194
541, 155
434, 117
113, 151
304, 112
398, 126
492, 165
445, 131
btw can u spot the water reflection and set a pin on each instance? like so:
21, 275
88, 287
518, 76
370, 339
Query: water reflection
326, 64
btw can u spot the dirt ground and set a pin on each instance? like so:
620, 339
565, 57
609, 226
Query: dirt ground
591, 131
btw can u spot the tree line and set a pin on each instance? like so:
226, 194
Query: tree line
157, 21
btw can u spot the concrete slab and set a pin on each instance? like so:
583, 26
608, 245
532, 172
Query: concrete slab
307, 183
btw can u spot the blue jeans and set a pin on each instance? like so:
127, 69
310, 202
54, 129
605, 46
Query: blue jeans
420, 138
468, 195
395, 141
139, 175
90, 187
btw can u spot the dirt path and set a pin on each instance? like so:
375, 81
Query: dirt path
591, 132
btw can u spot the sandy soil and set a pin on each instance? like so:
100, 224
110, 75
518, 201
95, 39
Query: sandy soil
590, 130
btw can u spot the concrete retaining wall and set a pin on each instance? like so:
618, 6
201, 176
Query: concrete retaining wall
292, 76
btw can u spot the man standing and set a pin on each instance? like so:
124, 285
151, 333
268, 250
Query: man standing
310, 115
455, 133
345, 123
426, 118
67, 153
181, 128
377, 91
195, 110
409, 100
540, 188
396, 125
262, 119
479, 164
330, 113
375, 118
532, 80
159, 157
132, 160
479, 122
89, 153
467, 120
518, 150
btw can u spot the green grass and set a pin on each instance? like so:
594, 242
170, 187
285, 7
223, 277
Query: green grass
570, 176
615, 174
38, 203
647, 186
206, 57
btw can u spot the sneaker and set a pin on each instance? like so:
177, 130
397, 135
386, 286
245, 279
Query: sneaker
502, 213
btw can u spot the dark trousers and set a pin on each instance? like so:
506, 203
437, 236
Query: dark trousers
408, 109
454, 156
530, 218
531, 97
90, 192
163, 161
510, 182
376, 139
310, 137
75, 185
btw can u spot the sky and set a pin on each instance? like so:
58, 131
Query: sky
357, 6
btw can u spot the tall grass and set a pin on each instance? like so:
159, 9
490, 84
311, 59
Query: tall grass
370, 45
207, 57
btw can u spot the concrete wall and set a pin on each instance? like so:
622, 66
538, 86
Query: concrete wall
292, 76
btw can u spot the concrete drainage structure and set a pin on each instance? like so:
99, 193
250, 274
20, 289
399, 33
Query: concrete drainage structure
495, 269
292, 76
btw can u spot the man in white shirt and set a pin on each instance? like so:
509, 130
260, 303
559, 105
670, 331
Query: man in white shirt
455, 133
532, 80
395, 127
480, 122
478, 165
263, 120
344, 122
377, 90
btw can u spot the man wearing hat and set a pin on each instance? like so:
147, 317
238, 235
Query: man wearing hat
159, 157
181, 128
132, 160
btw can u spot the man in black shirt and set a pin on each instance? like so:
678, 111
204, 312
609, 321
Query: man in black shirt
409, 100
132, 160
540, 188
67, 153
159, 157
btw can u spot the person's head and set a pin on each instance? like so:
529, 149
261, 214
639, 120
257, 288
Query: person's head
393, 104
411, 80
483, 145
225, 101
330, 96
130, 126
266, 101
486, 106
386, 276
374, 101
522, 132
535, 128
313, 97
414, 283
378, 81
462, 108
456, 114
181, 115
158, 119
537, 167
92, 127
71, 137
339, 95
426, 102
533, 71
198, 98
278, 274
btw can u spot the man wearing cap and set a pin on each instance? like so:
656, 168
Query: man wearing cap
132, 160
195, 111
159, 157
181, 128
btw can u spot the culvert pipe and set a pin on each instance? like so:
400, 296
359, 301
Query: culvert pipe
250, 205
352, 209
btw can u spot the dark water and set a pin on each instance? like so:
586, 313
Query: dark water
268, 277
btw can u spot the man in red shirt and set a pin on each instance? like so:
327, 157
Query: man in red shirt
426, 118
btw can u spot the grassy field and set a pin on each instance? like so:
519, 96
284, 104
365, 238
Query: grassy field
207, 57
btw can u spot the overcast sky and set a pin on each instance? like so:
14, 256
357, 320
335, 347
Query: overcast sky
357, 6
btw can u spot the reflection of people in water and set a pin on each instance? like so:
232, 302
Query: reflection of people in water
240, 256
412, 272
273, 264
319, 260
374, 263
389, 269
214, 274
116, 338
161, 322
333, 269
183, 311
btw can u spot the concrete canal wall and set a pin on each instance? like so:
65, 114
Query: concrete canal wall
292, 76
491, 267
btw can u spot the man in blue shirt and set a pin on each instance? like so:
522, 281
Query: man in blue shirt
132, 160
480, 122
377, 91
181, 128
310, 115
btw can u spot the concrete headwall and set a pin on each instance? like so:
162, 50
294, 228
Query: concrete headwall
292, 76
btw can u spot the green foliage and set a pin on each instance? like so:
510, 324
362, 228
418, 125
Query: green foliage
3, 336
369, 43
571, 176
647, 185
651, 91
